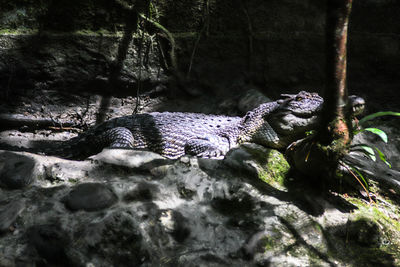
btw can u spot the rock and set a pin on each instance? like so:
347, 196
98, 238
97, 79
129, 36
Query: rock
197, 212
160, 171
252, 99
364, 232
50, 242
142, 192
90, 197
209, 164
267, 164
9, 213
239, 158
116, 240
16, 170
175, 223
82, 71
131, 158
238, 205
10, 262
68, 171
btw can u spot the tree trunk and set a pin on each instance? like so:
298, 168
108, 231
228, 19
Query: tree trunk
336, 120
318, 155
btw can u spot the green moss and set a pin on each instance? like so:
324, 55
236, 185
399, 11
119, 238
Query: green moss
100, 32
20, 31
269, 243
276, 167
389, 229
374, 211
73, 180
272, 166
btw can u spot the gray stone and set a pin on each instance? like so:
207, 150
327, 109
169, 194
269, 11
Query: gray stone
130, 158
50, 242
68, 171
267, 164
9, 213
142, 192
252, 99
117, 239
174, 223
16, 170
90, 197
241, 159
199, 212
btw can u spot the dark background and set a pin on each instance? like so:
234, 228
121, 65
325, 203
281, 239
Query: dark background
275, 45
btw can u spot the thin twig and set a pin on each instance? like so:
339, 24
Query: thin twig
61, 129
355, 176
196, 44
171, 39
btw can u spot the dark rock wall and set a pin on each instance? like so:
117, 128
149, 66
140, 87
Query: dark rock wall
61, 15
276, 44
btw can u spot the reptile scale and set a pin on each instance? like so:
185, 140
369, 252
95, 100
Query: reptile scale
173, 134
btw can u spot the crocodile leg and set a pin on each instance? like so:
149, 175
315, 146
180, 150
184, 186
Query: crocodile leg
119, 137
205, 148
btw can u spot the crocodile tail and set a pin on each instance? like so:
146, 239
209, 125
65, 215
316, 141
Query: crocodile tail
75, 148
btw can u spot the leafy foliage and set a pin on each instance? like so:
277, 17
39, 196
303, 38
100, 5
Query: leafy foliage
376, 131
370, 150
378, 114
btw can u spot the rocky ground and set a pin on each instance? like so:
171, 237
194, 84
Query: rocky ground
131, 208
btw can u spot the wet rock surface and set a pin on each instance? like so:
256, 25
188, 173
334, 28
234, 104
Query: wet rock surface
135, 208
50, 242
16, 171
187, 212
9, 213
90, 197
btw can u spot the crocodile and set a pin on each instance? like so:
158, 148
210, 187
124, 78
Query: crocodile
173, 134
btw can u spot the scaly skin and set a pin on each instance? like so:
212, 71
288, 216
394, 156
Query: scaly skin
274, 124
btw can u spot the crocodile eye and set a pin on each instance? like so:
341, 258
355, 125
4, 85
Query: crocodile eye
299, 98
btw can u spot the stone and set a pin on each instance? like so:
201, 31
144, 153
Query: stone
90, 197
9, 213
68, 171
130, 158
142, 192
175, 223
201, 212
117, 240
252, 99
16, 170
50, 242
269, 165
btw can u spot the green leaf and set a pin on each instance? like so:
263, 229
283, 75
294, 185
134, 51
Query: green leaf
383, 157
378, 132
378, 114
361, 176
369, 151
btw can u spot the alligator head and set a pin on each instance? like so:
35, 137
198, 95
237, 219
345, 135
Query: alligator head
293, 116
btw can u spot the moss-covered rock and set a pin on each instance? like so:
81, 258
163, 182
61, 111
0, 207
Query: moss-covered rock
375, 229
269, 165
